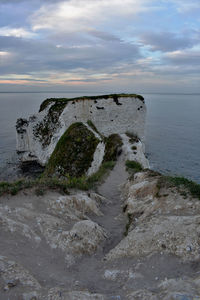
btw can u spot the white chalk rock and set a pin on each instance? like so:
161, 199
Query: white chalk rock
38, 136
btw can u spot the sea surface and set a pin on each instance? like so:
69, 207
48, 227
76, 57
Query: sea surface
172, 130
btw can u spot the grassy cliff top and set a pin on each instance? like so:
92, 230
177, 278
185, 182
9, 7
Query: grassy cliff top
64, 101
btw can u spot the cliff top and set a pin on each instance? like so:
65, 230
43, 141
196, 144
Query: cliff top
64, 101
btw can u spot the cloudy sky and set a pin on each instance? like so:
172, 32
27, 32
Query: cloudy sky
100, 45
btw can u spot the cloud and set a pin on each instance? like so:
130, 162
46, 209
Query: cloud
4, 53
75, 15
104, 36
16, 32
168, 41
31, 55
184, 58
186, 6
112, 43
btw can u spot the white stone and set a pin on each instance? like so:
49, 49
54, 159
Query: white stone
97, 159
174, 232
112, 119
12, 271
135, 155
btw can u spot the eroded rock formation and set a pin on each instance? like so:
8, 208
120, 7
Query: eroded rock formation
97, 117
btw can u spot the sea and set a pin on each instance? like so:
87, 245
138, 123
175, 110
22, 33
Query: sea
172, 131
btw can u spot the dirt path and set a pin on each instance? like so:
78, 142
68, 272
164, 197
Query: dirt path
113, 220
89, 271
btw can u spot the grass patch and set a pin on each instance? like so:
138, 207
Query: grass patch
133, 165
14, 187
86, 183
91, 124
73, 153
55, 183
58, 104
133, 138
64, 101
191, 186
181, 183
40, 185
101, 173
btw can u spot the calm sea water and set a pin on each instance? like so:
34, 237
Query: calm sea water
172, 130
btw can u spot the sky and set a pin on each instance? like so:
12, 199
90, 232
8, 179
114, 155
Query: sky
100, 45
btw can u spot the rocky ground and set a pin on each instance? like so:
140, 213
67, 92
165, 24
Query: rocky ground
132, 241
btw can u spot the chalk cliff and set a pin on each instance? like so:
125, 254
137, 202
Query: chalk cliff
101, 116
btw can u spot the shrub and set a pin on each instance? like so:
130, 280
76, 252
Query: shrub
133, 138
14, 187
134, 147
39, 192
191, 186
134, 165
181, 183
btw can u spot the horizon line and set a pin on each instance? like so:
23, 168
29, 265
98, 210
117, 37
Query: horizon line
150, 93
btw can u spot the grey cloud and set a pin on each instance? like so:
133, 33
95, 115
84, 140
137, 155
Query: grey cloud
33, 56
90, 37
104, 36
167, 41
187, 58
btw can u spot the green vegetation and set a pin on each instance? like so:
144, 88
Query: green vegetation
15, 187
40, 185
130, 220
46, 128
133, 138
64, 101
91, 124
181, 183
133, 165
39, 192
112, 147
140, 97
101, 173
152, 173
58, 104
86, 183
73, 154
